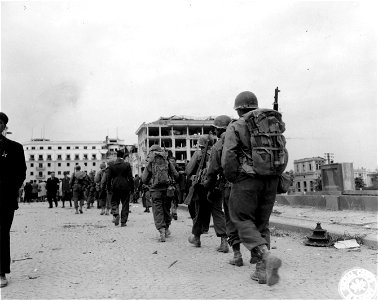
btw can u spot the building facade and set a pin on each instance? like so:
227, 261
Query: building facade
179, 134
44, 156
367, 176
306, 173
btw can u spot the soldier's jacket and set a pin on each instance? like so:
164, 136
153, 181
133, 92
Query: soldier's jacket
12, 172
215, 176
237, 140
193, 164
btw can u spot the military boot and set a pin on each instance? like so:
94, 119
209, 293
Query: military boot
237, 260
223, 247
260, 272
195, 240
107, 211
167, 232
162, 234
268, 264
102, 211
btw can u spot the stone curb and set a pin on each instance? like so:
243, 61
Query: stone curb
369, 240
307, 226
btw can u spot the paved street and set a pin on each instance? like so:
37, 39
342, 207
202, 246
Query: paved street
62, 255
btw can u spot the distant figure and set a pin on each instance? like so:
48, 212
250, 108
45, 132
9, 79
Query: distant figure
28, 192
78, 183
34, 190
42, 191
12, 175
91, 189
101, 187
52, 187
66, 190
136, 188
120, 183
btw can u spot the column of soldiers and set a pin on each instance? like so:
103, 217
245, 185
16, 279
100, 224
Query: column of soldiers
229, 170
242, 183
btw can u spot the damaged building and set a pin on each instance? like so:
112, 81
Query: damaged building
179, 134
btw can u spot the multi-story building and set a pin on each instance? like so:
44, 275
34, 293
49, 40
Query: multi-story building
44, 156
179, 134
362, 172
367, 176
306, 172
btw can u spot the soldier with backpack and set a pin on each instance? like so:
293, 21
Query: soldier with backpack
78, 184
161, 173
254, 156
101, 188
121, 184
219, 189
196, 168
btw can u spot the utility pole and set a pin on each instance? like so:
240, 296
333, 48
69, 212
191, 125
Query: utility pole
329, 157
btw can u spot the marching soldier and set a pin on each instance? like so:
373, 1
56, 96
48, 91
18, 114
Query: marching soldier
219, 189
201, 214
160, 172
252, 194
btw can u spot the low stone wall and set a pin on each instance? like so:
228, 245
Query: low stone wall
333, 202
362, 193
369, 203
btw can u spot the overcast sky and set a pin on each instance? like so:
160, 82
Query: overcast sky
79, 70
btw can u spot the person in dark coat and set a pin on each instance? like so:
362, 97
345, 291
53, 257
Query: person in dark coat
28, 191
12, 175
52, 187
66, 189
121, 183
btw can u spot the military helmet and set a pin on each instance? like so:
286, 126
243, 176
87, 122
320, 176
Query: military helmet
203, 140
246, 100
222, 121
155, 148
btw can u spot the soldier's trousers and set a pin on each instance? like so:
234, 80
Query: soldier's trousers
232, 231
6, 220
103, 199
78, 197
66, 196
251, 204
122, 197
215, 210
202, 212
52, 197
161, 205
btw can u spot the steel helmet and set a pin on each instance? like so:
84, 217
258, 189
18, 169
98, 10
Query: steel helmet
246, 100
155, 148
222, 121
203, 139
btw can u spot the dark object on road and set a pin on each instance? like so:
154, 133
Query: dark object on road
319, 238
172, 263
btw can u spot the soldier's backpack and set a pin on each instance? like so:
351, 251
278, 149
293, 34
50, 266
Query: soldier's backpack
80, 180
159, 168
268, 144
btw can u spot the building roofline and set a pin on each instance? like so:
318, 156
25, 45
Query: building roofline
309, 158
177, 119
